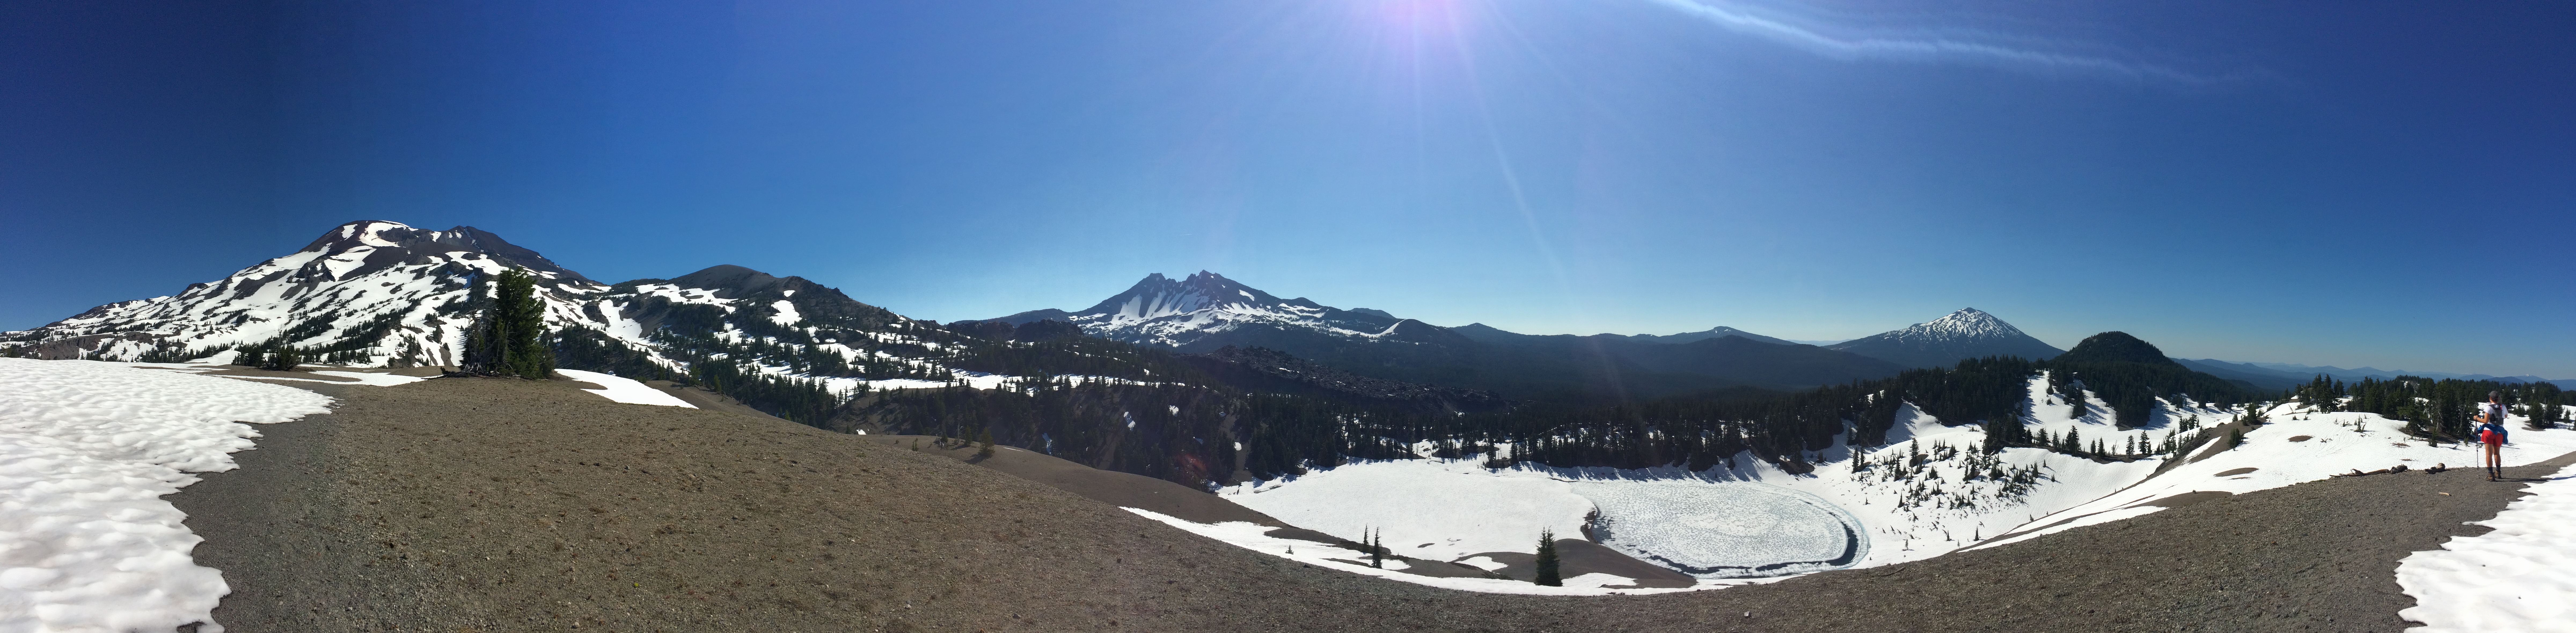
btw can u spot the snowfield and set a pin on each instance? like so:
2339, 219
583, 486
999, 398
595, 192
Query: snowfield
1429, 509
1725, 529
87, 450
1927, 491
2295, 448
1251, 536
2520, 577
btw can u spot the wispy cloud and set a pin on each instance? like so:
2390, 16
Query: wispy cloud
1925, 48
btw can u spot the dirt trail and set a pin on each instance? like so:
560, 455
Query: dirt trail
504, 505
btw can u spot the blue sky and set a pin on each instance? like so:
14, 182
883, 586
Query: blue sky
2383, 184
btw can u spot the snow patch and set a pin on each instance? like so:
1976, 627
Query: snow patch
2520, 577
625, 390
87, 450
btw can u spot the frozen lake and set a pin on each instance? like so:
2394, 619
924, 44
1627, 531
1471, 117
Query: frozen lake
1725, 529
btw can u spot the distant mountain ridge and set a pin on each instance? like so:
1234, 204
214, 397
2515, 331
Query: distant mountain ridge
1205, 312
1965, 334
2305, 372
1491, 334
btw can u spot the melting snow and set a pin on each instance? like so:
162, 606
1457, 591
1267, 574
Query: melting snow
87, 450
2520, 577
624, 390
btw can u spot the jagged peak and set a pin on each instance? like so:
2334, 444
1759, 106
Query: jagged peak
1158, 295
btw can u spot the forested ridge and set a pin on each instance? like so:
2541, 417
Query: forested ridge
1259, 413
2444, 408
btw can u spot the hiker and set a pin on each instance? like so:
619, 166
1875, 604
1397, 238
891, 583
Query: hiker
2491, 432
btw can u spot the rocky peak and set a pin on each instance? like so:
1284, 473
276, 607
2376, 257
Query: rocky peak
366, 246
1157, 296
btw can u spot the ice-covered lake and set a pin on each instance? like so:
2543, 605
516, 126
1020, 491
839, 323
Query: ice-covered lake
1725, 529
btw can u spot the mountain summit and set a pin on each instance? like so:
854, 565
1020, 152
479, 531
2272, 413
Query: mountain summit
368, 288
1967, 333
2116, 347
1206, 311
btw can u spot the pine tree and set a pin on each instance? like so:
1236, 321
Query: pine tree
987, 440
1547, 563
513, 341
1376, 547
284, 358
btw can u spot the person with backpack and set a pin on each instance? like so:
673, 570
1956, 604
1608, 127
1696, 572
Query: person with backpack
2491, 433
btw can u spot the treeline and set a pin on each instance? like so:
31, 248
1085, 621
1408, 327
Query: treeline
2443, 408
1174, 432
1177, 429
1705, 430
1697, 431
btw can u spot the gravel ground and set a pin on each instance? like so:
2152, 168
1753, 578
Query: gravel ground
505, 505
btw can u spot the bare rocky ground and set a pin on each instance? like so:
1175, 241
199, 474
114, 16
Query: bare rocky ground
505, 505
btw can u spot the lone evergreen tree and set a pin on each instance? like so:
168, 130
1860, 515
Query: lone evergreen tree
986, 438
1547, 563
512, 341
1368, 541
284, 358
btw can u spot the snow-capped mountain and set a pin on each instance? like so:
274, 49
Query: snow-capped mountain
1206, 311
1968, 333
375, 293
367, 292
